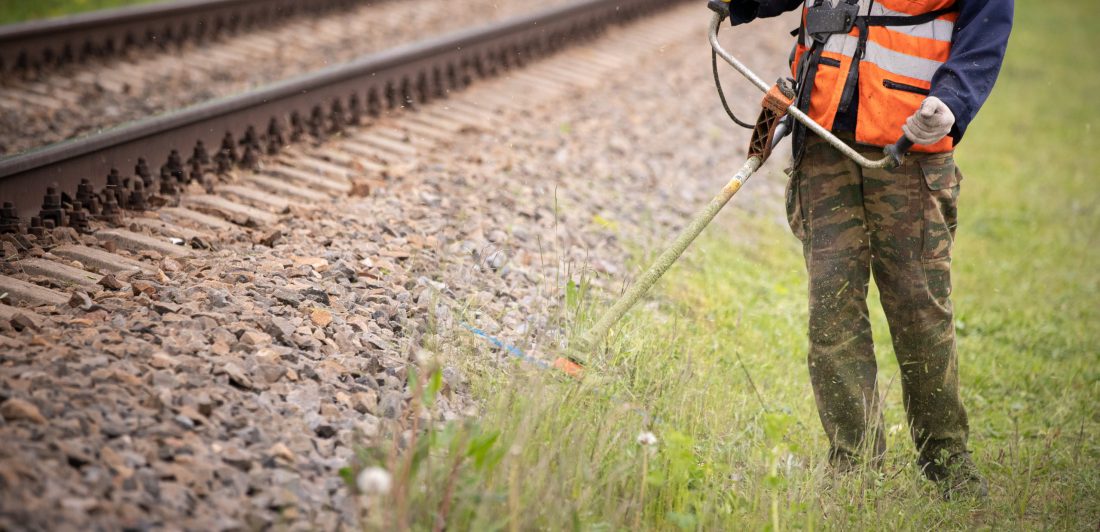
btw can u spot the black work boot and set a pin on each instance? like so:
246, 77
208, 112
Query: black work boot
843, 462
957, 475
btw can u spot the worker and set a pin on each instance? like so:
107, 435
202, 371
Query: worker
869, 70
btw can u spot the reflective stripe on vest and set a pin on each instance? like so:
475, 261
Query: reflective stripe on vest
894, 71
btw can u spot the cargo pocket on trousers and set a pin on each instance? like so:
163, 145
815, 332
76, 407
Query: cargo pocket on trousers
940, 205
795, 214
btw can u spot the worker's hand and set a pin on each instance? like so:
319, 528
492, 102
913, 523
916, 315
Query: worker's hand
930, 123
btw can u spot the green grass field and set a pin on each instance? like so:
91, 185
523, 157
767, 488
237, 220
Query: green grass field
20, 10
555, 454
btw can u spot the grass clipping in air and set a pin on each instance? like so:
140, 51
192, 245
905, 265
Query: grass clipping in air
670, 433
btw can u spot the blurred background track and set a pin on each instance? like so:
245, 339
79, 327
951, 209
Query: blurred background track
74, 76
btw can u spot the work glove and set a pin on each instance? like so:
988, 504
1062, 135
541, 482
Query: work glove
930, 123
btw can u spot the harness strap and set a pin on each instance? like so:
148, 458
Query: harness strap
853, 72
807, 72
908, 20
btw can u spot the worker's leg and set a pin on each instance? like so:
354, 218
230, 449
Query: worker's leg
825, 207
911, 215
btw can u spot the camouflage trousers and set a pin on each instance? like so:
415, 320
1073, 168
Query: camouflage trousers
899, 225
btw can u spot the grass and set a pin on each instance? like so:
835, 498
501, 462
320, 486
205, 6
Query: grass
21, 10
715, 368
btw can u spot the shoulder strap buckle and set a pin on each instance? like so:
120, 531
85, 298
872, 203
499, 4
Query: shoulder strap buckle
825, 20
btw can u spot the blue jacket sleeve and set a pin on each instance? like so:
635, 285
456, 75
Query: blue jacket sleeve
977, 51
744, 11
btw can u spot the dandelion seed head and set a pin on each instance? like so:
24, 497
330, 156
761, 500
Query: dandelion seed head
374, 481
646, 438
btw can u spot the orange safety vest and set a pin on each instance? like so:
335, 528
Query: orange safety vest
896, 45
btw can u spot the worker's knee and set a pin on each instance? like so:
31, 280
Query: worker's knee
913, 284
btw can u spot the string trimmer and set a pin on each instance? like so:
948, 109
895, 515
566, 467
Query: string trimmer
771, 126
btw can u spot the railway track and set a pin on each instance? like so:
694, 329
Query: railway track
64, 100
73, 220
217, 135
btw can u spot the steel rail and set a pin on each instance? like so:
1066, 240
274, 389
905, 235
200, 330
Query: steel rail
407, 75
41, 43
